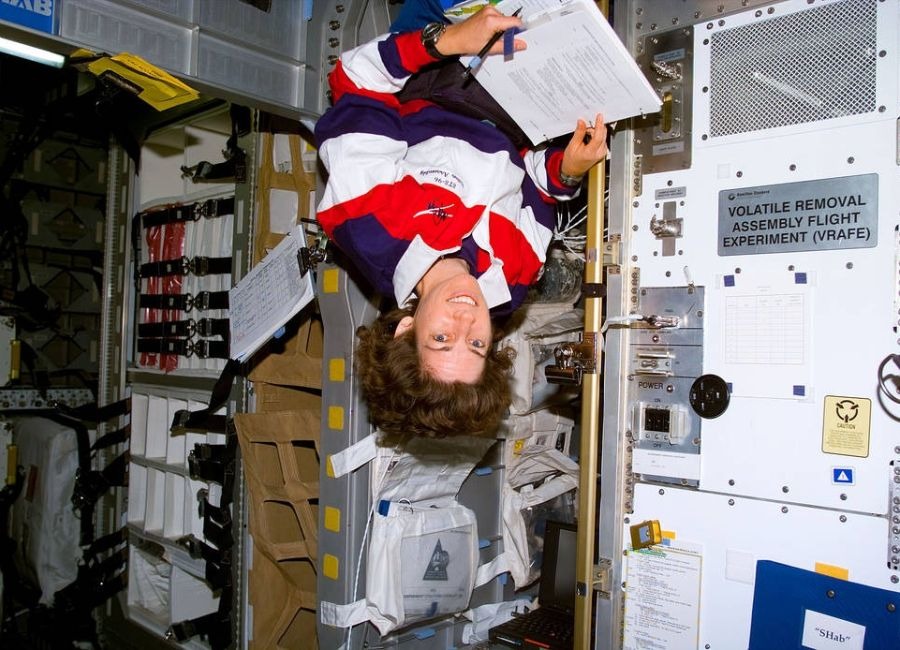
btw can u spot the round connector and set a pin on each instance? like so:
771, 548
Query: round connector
709, 396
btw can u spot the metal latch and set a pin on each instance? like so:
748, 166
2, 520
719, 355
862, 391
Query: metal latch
603, 577
573, 360
667, 229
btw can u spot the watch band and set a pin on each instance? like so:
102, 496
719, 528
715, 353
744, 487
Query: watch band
430, 35
199, 266
185, 301
208, 209
569, 181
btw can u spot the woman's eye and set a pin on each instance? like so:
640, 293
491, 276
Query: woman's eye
440, 338
477, 343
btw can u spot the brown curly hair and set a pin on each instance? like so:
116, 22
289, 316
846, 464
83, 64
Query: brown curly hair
405, 401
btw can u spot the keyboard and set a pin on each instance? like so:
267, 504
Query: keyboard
543, 624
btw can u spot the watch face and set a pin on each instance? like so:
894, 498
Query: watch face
432, 30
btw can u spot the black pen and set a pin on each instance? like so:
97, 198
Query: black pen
478, 58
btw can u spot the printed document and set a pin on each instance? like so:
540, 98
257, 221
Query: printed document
575, 66
268, 296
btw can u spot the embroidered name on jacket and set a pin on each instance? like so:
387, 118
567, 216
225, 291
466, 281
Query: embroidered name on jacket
443, 178
439, 212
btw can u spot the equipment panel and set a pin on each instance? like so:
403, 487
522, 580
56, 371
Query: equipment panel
782, 211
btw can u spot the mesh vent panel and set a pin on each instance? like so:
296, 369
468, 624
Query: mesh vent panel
812, 65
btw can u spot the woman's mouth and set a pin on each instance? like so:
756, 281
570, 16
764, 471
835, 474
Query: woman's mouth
463, 299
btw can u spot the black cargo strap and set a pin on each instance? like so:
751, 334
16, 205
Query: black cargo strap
206, 327
112, 438
198, 265
170, 328
106, 543
216, 627
198, 549
218, 560
219, 535
93, 413
209, 327
90, 485
185, 301
220, 514
213, 463
204, 419
208, 209
203, 348
97, 581
234, 166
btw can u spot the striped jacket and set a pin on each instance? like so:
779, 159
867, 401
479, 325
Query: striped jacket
411, 182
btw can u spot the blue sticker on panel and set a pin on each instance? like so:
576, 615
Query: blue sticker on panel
842, 475
35, 14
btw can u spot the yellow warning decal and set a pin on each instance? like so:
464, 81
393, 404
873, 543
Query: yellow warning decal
330, 566
846, 425
336, 369
834, 571
331, 279
332, 519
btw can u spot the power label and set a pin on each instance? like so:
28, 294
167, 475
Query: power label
826, 214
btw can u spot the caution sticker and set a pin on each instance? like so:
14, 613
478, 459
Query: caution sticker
846, 425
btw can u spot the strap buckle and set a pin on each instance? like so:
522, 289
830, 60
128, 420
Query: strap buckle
199, 266
200, 348
205, 327
201, 300
204, 209
189, 302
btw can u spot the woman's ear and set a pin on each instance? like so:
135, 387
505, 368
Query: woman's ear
406, 323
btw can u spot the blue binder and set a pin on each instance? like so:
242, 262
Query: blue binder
783, 594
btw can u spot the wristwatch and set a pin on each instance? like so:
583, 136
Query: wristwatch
569, 181
430, 35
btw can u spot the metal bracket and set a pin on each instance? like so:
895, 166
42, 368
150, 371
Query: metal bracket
573, 360
667, 229
612, 251
602, 578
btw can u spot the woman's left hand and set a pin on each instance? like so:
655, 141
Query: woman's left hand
586, 148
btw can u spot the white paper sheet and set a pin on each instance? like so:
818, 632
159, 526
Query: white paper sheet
268, 296
662, 598
574, 67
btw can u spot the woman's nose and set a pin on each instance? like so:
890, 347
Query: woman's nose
466, 316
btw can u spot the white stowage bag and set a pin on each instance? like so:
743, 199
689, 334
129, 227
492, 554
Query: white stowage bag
44, 525
422, 558
422, 564
539, 476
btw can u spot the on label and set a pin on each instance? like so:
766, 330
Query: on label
846, 425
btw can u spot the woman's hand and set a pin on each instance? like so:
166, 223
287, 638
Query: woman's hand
586, 148
469, 36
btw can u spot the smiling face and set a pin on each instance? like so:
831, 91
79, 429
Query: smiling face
452, 329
